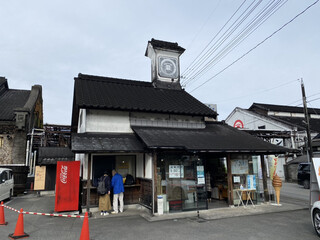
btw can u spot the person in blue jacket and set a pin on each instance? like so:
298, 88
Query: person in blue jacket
118, 190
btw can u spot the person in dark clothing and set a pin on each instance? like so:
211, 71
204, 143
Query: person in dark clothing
104, 199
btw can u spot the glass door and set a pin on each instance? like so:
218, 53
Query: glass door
193, 184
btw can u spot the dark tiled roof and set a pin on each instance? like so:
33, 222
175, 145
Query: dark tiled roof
103, 142
300, 122
50, 155
10, 100
283, 108
216, 137
166, 45
302, 159
127, 95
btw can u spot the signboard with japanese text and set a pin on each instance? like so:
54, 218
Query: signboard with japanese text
239, 166
67, 186
40, 178
176, 171
251, 182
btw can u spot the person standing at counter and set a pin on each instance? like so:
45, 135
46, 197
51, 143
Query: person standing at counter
118, 191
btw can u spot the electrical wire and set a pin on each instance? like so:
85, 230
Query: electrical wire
259, 92
195, 61
237, 40
259, 44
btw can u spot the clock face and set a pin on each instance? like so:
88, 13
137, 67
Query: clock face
168, 67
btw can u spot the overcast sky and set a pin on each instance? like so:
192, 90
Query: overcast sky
50, 42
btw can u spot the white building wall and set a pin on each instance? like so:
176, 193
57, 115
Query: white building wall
253, 122
148, 166
82, 121
139, 166
108, 121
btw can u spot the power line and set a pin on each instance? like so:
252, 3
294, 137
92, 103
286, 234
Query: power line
251, 27
275, 32
196, 35
196, 60
300, 99
259, 92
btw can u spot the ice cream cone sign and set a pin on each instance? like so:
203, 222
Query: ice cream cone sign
277, 184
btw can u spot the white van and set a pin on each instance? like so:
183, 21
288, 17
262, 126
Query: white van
6, 183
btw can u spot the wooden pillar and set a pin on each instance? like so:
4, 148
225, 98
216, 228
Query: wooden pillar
229, 176
89, 183
264, 179
154, 162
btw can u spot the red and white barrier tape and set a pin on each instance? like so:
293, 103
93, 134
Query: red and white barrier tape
44, 214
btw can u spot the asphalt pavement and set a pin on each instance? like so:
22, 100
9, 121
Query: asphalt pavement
136, 223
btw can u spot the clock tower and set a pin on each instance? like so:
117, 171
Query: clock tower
165, 65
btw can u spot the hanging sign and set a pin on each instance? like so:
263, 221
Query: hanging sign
67, 186
200, 174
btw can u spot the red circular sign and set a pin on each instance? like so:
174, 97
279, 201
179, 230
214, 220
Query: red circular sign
238, 124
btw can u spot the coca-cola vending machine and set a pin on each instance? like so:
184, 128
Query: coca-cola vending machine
67, 186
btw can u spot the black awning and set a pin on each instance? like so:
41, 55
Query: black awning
104, 142
216, 137
50, 155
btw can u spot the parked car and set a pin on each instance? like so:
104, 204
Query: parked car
304, 175
6, 183
315, 217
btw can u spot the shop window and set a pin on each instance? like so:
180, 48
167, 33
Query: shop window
244, 170
181, 182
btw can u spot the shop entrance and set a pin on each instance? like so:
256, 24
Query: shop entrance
216, 181
100, 165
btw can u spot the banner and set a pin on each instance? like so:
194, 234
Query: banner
67, 186
273, 167
316, 164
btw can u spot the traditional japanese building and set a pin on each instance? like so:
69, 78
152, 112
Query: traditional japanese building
164, 137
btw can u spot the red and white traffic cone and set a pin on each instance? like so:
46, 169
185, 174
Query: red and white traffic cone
85, 228
2, 219
19, 231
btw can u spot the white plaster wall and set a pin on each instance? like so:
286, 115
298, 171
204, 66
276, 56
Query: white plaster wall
107, 121
252, 121
139, 167
83, 158
148, 166
82, 121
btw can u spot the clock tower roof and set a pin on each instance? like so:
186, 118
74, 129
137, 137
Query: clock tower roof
164, 45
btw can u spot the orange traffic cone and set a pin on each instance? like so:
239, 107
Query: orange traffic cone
19, 231
2, 219
85, 228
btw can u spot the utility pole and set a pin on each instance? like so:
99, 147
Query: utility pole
306, 115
